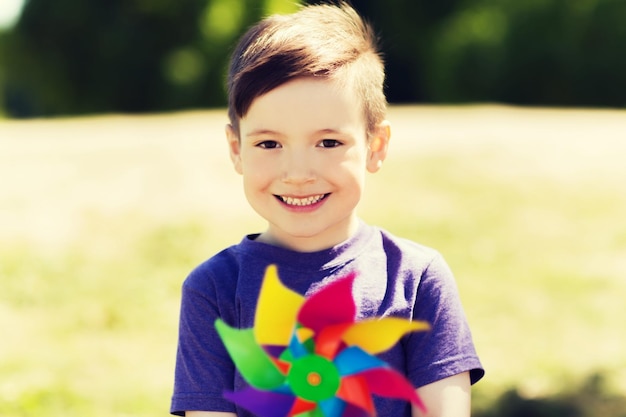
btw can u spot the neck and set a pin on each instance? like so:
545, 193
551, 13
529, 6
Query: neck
315, 243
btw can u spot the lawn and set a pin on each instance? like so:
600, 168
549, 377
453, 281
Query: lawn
101, 218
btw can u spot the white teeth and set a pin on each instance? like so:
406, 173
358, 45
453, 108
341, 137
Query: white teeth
293, 201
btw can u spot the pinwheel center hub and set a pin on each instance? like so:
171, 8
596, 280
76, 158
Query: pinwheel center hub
313, 378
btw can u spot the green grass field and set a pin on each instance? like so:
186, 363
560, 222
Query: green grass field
102, 218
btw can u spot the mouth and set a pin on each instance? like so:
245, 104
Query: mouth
302, 202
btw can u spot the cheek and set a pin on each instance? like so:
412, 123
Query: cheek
254, 165
258, 174
353, 163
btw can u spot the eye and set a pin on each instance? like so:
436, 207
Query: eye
268, 144
329, 143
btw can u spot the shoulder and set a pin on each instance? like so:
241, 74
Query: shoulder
213, 271
210, 290
235, 271
409, 252
417, 267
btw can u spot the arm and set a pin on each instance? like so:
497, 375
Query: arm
203, 368
208, 414
447, 352
448, 397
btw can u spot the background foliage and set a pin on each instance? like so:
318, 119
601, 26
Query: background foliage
78, 57
546, 52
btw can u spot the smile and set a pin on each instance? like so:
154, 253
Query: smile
301, 202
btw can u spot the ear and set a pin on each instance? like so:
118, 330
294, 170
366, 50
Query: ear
234, 147
378, 145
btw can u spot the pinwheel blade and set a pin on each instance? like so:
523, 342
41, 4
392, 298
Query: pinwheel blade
353, 360
316, 412
332, 407
297, 348
329, 340
389, 383
354, 411
262, 403
315, 313
301, 406
276, 310
355, 392
379, 335
251, 360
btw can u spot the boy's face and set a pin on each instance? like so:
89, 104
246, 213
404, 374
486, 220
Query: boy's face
303, 153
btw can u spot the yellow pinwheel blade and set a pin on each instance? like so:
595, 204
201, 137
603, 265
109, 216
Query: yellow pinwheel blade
276, 310
378, 335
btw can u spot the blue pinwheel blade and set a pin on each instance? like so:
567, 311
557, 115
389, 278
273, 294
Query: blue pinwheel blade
332, 407
353, 360
297, 348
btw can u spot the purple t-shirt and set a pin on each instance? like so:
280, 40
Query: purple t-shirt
395, 277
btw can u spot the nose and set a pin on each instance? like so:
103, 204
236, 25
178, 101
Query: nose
298, 168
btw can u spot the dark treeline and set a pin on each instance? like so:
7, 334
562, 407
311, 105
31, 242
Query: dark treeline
592, 398
78, 57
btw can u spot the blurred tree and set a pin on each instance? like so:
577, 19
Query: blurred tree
77, 57
547, 52
592, 398
539, 52
405, 30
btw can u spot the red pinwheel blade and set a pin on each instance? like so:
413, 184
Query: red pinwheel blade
282, 366
301, 406
331, 305
262, 403
354, 390
328, 341
389, 383
354, 411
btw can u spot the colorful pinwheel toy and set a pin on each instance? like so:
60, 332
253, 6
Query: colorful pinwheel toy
308, 357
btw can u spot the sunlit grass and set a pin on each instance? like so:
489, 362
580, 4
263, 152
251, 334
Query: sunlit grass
536, 241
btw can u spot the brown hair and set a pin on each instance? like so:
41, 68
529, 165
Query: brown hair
319, 41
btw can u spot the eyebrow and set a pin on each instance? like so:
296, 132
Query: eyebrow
260, 132
330, 131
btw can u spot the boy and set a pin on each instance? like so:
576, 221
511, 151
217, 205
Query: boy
307, 109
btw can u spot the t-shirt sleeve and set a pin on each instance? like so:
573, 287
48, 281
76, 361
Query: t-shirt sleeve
203, 368
447, 349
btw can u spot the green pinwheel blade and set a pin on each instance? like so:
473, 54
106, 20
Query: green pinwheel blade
255, 365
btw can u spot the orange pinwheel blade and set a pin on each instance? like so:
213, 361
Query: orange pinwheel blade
354, 390
329, 340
